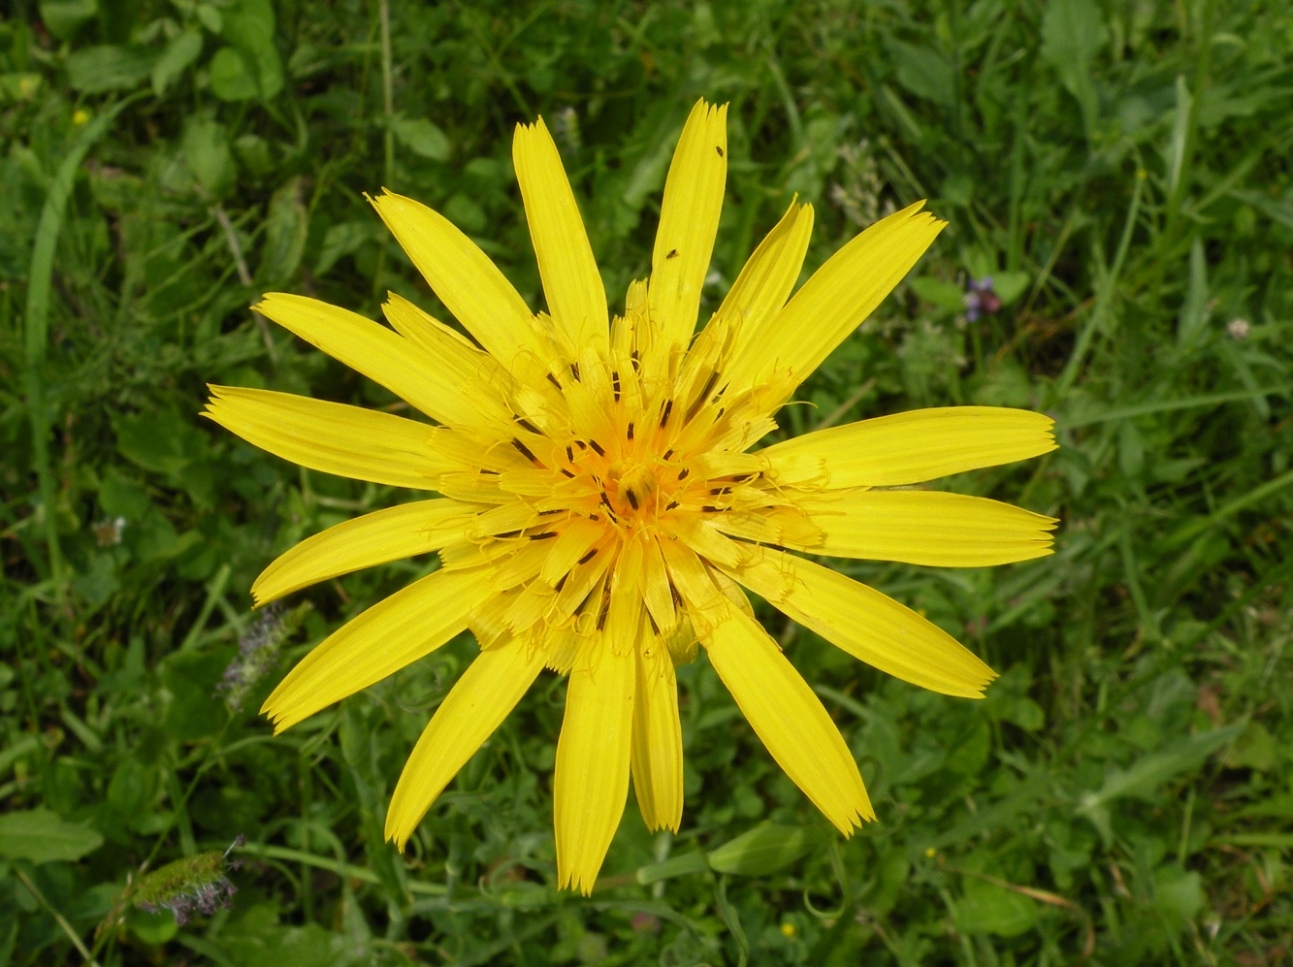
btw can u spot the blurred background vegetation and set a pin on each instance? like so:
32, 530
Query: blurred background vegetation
1117, 170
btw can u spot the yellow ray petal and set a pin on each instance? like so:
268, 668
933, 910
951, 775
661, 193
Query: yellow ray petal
592, 773
913, 447
469, 384
391, 634
624, 611
870, 626
487, 691
832, 303
332, 437
926, 527
368, 348
769, 276
571, 280
464, 278
788, 718
384, 535
657, 738
574, 541
706, 605
655, 587
684, 241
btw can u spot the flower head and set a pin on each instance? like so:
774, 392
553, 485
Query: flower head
600, 508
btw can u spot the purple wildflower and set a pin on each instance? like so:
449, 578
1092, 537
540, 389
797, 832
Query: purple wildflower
980, 300
258, 650
194, 883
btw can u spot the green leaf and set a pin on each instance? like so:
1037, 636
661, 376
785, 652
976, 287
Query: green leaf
253, 154
1073, 32
269, 68
1194, 311
206, 148
1178, 895
120, 497
1009, 286
97, 581
152, 928
924, 72
42, 836
341, 240
1025, 713
684, 864
210, 17
731, 918
762, 850
233, 75
946, 295
196, 710
96, 70
249, 28
463, 211
422, 137
1256, 749
986, 907
248, 23
286, 228
240, 74
1148, 773
140, 442
179, 54
131, 791
62, 17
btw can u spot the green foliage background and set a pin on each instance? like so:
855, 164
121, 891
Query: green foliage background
1123, 796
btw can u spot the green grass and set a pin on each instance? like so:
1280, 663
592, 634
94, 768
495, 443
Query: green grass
1121, 797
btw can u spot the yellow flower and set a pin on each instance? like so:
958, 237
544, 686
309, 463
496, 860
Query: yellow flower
600, 509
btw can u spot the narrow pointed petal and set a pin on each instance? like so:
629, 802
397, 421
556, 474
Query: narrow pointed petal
391, 634
376, 538
684, 242
469, 384
332, 437
870, 626
789, 719
835, 301
370, 348
477, 704
571, 281
913, 447
655, 587
926, 527
623, 620
769, 276
688, 573
591, 783
464, 278
657, 739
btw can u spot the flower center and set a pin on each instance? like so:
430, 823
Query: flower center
634, 492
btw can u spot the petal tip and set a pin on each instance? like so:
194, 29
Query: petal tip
278, 721
394, 833
385, 199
